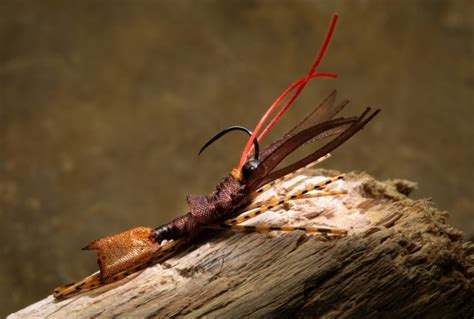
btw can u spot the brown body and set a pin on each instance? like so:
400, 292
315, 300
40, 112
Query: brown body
230, 194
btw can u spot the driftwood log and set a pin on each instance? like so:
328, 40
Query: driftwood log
401, 259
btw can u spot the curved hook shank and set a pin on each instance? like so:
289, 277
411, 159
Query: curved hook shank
227, 130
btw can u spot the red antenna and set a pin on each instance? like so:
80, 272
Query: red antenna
300, 85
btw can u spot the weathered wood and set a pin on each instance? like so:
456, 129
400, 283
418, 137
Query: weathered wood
401, 258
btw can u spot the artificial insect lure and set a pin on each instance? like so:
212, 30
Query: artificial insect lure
123, 254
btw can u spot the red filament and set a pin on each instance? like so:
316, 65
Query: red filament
299, 86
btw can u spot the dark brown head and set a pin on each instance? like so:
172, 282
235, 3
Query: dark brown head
248, 168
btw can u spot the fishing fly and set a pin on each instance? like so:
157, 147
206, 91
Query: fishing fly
233, 201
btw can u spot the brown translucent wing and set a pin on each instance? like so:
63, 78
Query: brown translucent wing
290, 144
345, 127
119, 252
322, 113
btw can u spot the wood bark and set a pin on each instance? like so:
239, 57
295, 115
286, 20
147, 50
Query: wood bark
400, 259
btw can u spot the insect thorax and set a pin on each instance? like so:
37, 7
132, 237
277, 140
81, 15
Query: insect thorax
229, 195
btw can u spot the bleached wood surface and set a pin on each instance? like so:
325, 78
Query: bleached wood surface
401, 258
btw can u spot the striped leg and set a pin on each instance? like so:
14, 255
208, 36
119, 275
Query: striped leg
277, 181
261, 207
325, 231
275, 202
95, 281
298, 195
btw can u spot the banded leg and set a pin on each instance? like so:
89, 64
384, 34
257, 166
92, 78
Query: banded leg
275, 202
298, 195
96, 280
264, 206
325, 231
277, 181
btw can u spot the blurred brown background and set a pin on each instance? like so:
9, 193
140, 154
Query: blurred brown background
104, 105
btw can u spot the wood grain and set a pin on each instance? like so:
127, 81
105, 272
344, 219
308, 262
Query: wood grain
401, 258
